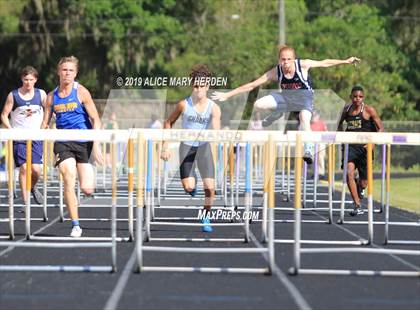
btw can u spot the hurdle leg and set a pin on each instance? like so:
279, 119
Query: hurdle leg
271, 201
383, 178
28, 189
343, 186
248, 176
165, 178
114, 205
251, 181
315, 169
333, 167
149, 187
330, 183
130, 188
45, 177
388, 188
283, 168
61, 197
153, 183
237, 170
232, 177
297, 203
104, 168
10, 181
288, 171
370, 192
140, 201
305, 171
265, 196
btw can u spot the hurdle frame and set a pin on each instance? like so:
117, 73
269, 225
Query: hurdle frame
70, 135
140, 248
369, 138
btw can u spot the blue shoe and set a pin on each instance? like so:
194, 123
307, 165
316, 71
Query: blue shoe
193, 192
206, 227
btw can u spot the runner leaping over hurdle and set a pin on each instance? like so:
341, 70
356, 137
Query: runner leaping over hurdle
358, 117
198, 112
297, 94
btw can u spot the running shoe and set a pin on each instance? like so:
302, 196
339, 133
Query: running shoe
271, 118
206, 227
76, 232
357, 210
38, 197
308, 153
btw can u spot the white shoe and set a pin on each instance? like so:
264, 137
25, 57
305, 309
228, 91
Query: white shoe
76, 232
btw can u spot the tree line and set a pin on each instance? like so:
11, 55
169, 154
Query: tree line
237, 39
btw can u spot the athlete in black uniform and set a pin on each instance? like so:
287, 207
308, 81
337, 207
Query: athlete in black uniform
361, 118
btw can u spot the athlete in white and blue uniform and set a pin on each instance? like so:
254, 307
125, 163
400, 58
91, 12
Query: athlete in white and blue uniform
74, 109
296, 95
199, 113
25, 106
27, 114
193, 153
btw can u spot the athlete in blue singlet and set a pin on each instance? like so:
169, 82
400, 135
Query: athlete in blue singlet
25, 106
198, 112
297, 95
74, 109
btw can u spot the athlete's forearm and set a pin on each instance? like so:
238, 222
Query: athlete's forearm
333, 62
46, 119
241, 89
5, 121
166, 125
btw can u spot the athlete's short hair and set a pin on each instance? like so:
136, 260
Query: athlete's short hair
286, 48
200, 73
71, 58
29, 70
357, 88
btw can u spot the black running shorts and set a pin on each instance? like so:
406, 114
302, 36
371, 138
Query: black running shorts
190, 156
72, 149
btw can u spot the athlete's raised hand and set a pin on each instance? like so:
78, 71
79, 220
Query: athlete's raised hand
353, 61
219, 96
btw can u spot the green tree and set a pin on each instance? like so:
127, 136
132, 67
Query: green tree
361, 31
131, 37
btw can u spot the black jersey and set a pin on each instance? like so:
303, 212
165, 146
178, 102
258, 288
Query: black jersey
358, 122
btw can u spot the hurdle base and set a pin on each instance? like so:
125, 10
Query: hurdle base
265, 271
352, 272
51, 268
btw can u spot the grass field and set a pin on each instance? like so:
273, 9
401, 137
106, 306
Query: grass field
405, 193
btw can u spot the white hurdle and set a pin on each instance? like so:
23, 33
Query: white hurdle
67, 135
387, 223
365, 137
186, 135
